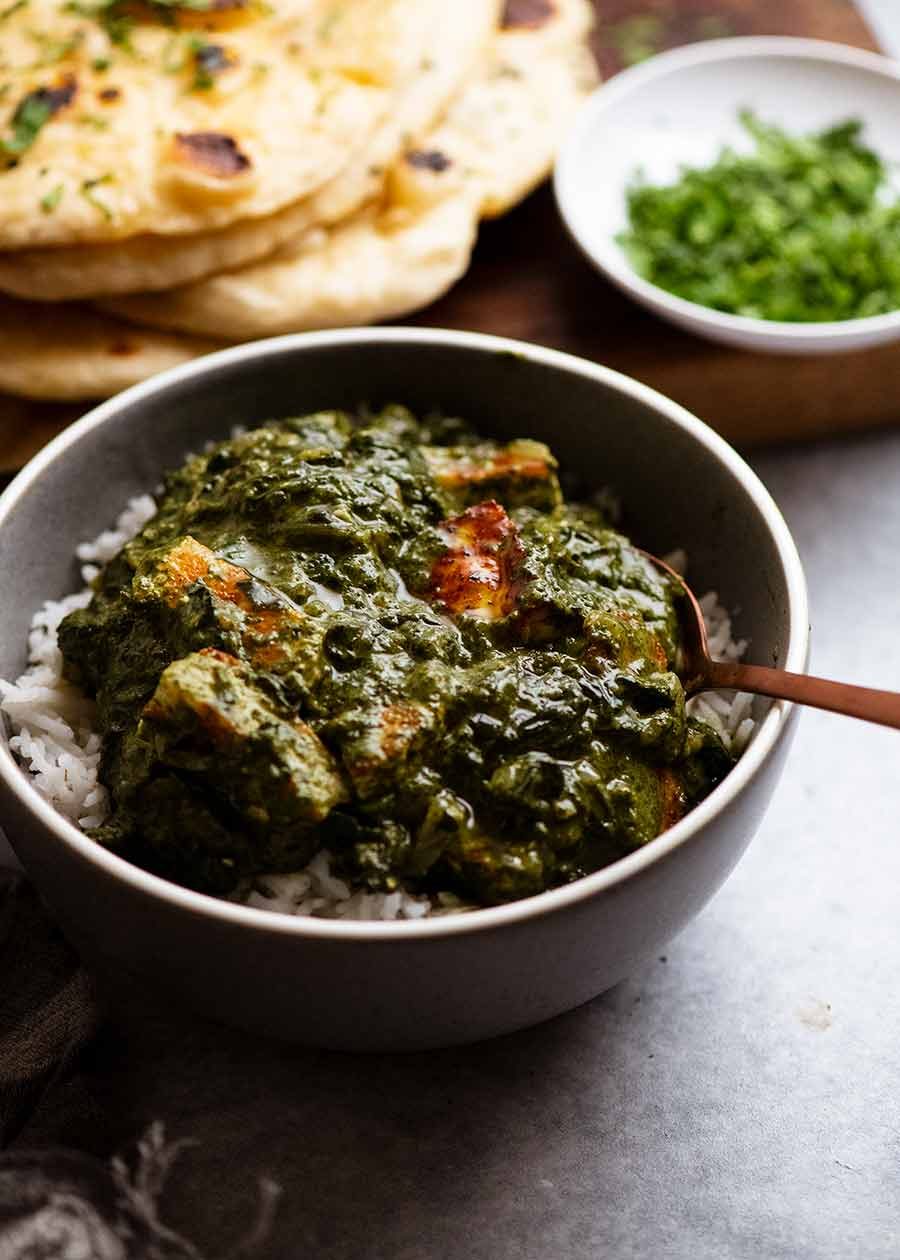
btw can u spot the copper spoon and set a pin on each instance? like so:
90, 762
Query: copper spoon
699, 672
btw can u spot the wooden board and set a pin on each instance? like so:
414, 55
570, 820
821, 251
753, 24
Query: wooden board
527, 280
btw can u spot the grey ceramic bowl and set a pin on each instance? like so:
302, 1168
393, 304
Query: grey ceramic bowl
405, 985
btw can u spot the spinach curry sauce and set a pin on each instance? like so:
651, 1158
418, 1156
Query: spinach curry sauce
393, 639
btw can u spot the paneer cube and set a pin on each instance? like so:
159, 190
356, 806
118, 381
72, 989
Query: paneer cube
481, 572
522, 473
209, 719
254, 619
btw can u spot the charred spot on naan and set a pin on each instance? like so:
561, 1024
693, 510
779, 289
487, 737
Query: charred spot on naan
429, 160
33, 111
211, 153
530, 14
423, 177
211, 61
55, 98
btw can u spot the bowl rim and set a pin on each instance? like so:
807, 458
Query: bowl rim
615, 265
751, 762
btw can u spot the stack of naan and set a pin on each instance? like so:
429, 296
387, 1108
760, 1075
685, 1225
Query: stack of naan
177, 175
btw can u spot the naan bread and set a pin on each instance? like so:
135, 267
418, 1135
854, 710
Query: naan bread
497, 141
460, 32
173, 116
388, 260
371, 268
146, 262
504, 130
69, 353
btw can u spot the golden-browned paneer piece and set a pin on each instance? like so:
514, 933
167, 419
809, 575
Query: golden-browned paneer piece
274, 634
520, 474
175, 573
481, 572
377, 745
672, 798
208, 718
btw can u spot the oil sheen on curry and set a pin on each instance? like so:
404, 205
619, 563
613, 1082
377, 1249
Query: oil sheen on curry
393, 639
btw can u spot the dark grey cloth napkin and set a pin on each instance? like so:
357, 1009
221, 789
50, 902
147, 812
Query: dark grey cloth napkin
48, 1008
74, 1204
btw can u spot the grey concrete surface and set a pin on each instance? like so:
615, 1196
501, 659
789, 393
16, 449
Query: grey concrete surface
884, 18
737, 1100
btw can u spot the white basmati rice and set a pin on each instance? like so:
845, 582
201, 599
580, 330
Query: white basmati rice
316, 891
52, 720
53, 736
729, 712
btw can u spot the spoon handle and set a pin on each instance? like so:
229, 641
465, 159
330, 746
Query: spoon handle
821, 693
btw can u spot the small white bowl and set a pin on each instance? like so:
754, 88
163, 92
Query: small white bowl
679, 109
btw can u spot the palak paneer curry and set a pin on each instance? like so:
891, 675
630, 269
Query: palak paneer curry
394, 639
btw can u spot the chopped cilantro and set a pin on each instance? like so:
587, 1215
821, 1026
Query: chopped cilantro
800, 229
207, 58
95, 121
30, 116
51, 200
88, 192
110, 14
210, 60
54, 50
